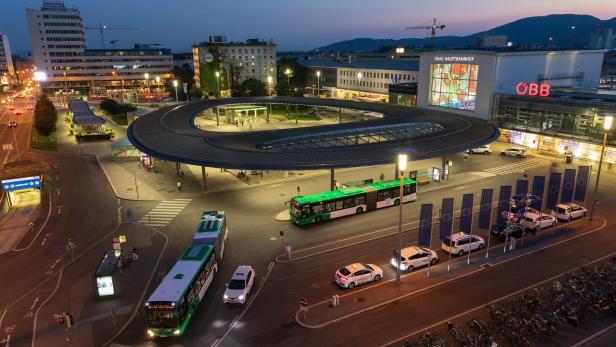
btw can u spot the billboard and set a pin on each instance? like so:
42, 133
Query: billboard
454, 85
21, 183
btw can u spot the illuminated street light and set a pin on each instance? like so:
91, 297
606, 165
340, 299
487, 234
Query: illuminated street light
402, 161
319, 83
288, 72
175, 85
147, 82
270, 80
217, 73
157, 84
607, 125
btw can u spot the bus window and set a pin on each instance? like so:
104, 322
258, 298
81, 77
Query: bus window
395, 193
339, 204
360, 200
162, 318
305, 210
330, 206
348, 203
317, 209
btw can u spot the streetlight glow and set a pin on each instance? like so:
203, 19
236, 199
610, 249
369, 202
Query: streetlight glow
175, 83
402, 160
217, 73
146, 75
607, 122
318, 73
359, 75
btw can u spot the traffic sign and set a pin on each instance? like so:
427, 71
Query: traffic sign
122, 238
29, 211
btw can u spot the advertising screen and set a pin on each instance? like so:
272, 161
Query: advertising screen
104, 285
454, 85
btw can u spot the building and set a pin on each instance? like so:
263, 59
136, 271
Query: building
24, 68
603, 38
466, 82
183, 60
7, 71
221, 65
608, 71
366, 80
64, 65
493, 41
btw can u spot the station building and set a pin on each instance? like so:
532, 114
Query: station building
546, 101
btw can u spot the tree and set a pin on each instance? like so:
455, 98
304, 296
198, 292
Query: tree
252, 87
114, 108
45, 116
294, 83
183, 75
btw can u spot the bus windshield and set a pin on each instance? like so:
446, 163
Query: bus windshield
296, 209
162, 318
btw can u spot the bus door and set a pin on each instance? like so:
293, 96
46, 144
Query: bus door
371, 200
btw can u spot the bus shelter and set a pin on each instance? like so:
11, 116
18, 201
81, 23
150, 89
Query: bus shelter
105, 275
235, 114
89, 126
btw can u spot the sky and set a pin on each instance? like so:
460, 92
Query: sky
292, 24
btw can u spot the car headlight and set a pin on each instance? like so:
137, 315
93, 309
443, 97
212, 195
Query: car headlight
225, 296
150, 333
241, 297
176, 332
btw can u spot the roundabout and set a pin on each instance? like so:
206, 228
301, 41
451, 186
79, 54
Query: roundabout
170, 134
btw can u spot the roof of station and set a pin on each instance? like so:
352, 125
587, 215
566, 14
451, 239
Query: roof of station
82, 115
373, 64
170, 134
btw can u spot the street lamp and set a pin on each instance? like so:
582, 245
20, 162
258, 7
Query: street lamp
147, 82
607, 125
157, 78
318, 83
402, 160
269, 85
288, 72
175, 85
217, 73
13, 125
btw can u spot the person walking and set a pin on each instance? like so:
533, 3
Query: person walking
179, 185
135, 254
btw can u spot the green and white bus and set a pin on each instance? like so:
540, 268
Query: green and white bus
337, 203
172, 305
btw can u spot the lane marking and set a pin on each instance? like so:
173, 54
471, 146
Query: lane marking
34, 303
594, 336
56, 263
43, 304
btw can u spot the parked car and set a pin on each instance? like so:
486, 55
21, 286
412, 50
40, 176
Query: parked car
240, 285
414, 257
567, 212
513, 229
485, 149
357, 273
514, 152
524, 200
537, 221
461, 243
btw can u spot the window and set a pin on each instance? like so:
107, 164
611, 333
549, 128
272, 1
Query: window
317, 209
463, 241
339, 204
454, 85
360, 200
249, 276
348, 203
330, 206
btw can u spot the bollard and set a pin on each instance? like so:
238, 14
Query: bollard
335, 300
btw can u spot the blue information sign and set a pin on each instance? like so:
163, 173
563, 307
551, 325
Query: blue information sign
21, 183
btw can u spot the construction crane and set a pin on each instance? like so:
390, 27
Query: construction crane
432, 29
113, 42
102, 28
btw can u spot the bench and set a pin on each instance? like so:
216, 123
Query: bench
423, 180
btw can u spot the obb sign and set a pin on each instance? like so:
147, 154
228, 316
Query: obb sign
532, 89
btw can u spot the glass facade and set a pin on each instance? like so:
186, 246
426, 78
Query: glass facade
454, 85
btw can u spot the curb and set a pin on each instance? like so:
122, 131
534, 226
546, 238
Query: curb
113, 189
381, 304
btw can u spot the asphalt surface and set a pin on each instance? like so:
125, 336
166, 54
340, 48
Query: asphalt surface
170, 134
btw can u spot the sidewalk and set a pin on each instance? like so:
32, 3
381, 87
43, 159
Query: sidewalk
376, 296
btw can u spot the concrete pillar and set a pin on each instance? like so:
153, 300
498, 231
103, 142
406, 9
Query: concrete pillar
204, 178
443, 164
332, 180
340, 115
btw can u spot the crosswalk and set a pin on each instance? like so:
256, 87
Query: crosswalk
163, 213
521, 166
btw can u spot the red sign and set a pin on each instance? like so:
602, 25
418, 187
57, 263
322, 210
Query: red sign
533, 89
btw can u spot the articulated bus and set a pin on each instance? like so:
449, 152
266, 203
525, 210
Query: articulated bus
172, 305
320, 207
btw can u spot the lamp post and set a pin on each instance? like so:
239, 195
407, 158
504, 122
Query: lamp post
217, 73
269, 85
175, 86
157, 78
288, 72
318, 83
402, 160
607, 125
13, 125
147, 82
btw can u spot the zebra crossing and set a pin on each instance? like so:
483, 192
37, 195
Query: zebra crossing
163, 213
519, 166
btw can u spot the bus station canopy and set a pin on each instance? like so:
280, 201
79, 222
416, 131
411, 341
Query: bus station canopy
82, 115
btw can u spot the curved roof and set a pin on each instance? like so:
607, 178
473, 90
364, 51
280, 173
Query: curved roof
170, 134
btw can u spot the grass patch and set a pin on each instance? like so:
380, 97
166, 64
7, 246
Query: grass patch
42, 142
305, 117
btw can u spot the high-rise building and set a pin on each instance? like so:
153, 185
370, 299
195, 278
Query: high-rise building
220, 65
59, 49
6, 63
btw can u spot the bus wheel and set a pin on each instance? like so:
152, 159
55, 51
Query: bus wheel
397, 202
318, 219
359, 210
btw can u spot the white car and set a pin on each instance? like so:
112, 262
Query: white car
414, 257
568, 212
537, 221
514, 152
354, 274
485, 149
461, 243
240, 285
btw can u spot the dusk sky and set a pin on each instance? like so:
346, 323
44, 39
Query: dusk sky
295, 24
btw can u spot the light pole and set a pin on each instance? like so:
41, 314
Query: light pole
217, 73
402, 160
157, 78
607, 125
147, 82
318, 83
269, 85
13, 125
175, 86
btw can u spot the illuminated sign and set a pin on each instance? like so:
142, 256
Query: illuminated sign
104, 286
40, 76
400, 50
21, 183
532, 89
454, 59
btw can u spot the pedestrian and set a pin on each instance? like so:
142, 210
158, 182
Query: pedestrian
31, 225
179, 185
135, 254
288, 248
382, 177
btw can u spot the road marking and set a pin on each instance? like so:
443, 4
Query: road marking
252, 299
8, 340
43, 243
56, 263
2, 317
460, 187
163, 213
595, 335
43, 304
518, 167
34, 303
